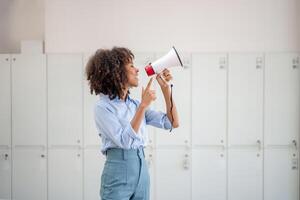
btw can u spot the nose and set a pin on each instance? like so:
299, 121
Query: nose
137, 70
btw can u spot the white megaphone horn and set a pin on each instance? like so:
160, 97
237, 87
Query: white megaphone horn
171, 59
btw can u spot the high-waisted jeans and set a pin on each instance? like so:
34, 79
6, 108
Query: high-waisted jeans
125, 175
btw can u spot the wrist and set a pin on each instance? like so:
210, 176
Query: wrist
165, 88
143, 106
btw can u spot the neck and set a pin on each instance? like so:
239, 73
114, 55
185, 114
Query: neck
125, 94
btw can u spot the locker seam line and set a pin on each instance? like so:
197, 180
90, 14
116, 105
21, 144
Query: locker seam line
227, 92
263, 129
82, 131
47, 128
191, 127
11, 127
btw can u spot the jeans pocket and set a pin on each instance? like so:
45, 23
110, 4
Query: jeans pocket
114, 174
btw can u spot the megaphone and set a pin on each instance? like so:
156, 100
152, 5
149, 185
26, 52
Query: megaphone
171, 59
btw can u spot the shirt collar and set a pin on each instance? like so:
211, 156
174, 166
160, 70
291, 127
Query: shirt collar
116, 99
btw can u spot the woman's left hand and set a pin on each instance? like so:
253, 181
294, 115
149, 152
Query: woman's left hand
163, 78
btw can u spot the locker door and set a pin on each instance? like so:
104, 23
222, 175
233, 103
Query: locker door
282, 116
245, 174
5, 101
65, 174
91, 137
209, 174
140, 61
65, 99
245, 99
29, 176
150, 159
5, 174
209, 87
29, 107
281, 174
173, 174
93, 165
182, 98
282, 99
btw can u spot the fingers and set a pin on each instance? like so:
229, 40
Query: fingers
165, 72
152, 94
164, 76
168, 77
149, 83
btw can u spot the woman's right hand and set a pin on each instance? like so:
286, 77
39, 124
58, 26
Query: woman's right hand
148, 95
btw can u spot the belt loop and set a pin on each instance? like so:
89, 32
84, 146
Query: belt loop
125, 155
140, 151
143, 152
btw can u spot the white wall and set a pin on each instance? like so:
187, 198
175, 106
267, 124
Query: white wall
218, 25
20, 20
205, 25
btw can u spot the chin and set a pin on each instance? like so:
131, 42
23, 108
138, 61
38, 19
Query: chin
134, 85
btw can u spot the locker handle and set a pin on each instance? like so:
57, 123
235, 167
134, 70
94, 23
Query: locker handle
186, 162
149, 160
259, 145
295, 144
223, 147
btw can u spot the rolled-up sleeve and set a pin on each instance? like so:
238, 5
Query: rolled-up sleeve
157, 119
117, 130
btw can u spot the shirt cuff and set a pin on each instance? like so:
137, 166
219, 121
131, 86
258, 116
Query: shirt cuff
167, 123
129, 130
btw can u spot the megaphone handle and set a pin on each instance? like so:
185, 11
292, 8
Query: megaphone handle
172, 120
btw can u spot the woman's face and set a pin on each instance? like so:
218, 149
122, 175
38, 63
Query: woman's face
132, 75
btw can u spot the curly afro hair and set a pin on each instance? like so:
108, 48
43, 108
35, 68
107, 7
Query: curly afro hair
106, 71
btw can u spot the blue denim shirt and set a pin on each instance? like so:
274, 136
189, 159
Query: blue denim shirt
113, 119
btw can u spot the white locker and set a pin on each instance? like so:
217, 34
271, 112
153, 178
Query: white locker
29, 175
245, 99
65, 174
282, 99
29, 107
173, 174
150, 159
245, 174
65, 104
5, 101
209, 174
209, 97
5, 174
140, 61
282, 116
281, 174
182, 98
91, 137
93, 165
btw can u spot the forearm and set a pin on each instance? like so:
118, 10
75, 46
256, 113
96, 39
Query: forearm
167, 95
138, 117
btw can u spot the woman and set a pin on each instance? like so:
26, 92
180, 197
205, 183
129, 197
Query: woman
121, 121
